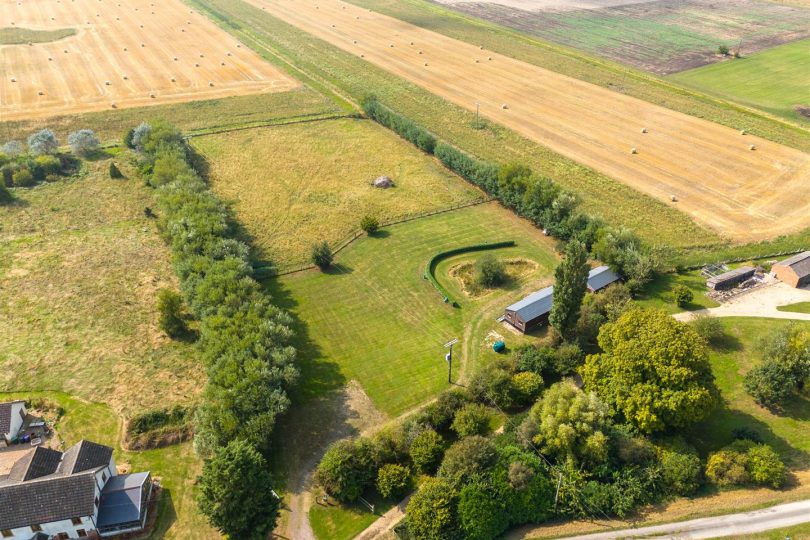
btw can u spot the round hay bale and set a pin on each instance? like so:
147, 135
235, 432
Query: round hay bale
66, 51
743, 132
50, 59
504, 106
383, 182
362, 56
113, 105
196, 65
634, 150
752, 147
673, 198
174, 80
391, 45
489, 58
210, 83
40, 93
107, 83
644, 130
476, 61
426, 64
126, 78
420, 52
13, 79
355, 42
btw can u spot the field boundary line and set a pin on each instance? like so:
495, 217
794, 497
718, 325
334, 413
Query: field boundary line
743, 259
293, 120
268, 270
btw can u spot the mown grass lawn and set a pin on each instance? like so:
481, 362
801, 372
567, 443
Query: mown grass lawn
177, 466
801, 307
375, 319
788, 432
774, 80
80, 267
293, 186
658, 293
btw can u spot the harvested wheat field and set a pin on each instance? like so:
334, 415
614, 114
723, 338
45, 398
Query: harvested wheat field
711, 171
126, 54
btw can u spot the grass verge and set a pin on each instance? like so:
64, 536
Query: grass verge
21, 36
801, 307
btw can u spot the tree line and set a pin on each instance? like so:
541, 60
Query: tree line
244, 338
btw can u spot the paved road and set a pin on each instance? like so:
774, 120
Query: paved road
775, 517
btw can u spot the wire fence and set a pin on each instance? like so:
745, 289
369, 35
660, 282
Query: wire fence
743, 259
269, 270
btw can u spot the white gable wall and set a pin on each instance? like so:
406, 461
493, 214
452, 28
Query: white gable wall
17, 416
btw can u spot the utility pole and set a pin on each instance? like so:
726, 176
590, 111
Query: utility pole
449, 358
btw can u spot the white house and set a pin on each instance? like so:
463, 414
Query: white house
12, 416
74, 494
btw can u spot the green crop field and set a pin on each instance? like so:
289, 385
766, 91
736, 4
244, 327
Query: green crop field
788, 432
176, 466
347, 74
20, 36
293, 186
80, 267
375, 319
775, 80
192, 117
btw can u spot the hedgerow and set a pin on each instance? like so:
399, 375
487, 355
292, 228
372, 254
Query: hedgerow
244, 338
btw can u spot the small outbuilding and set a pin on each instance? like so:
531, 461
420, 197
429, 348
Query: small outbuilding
600, 277
794, 271
730, 279
530, 312
12, 417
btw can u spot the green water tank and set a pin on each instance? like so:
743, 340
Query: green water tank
499, 346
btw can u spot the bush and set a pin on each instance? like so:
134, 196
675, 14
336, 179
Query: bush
489, 271
481, 513
771, 384
370, 225
43, 142
426, 451
44, 166
466, 458
170, 306
727, 468
5, 194
432, 511
440, 415
404, 127
393, 480
346, 469
83, 142
723, 50
12, 149
682, 295
708, 327
480, 173
322, 256
153, 420
115, 172
23, 178
527, 386
137, 136
472, 419
765, 466
493, 384
681, 470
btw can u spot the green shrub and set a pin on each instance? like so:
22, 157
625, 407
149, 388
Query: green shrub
404, 127
681, 470
393, 480
727, 468
771, 384
489, 271
172, 320
723, 50
153, 420
426, 451
472, 419
466, 458
432, 511
527, 386
708, 327
322, 255
493, 384
765, 466
440, 414
23, 178
46, 165
481, 513
43, 142
83, 142
346, 469
370, 225
682, 295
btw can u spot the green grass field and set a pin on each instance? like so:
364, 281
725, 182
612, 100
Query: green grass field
658, 294
347, 74
375, 319
193, 117
583, 66
787, 432
296, 185
176, 466
80, 267
801, 307
775, 80
20, 36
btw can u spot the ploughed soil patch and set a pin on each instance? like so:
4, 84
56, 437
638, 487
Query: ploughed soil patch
663, 37
464, 273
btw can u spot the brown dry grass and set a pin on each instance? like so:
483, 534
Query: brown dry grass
138, 40
79, 270
464, 274
745, 195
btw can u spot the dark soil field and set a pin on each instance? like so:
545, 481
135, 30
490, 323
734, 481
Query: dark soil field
662, 37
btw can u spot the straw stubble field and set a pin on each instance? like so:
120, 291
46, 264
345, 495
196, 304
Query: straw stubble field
711, 170
123, 55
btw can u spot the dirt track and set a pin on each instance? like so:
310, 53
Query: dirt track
133, 46
743, 194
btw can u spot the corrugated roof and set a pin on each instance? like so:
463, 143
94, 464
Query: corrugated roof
534, 305
121, 499
799, 263
731, 275
5, 416
600, 277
